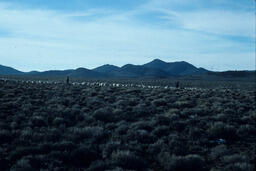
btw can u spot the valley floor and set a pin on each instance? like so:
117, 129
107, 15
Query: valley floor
55, 126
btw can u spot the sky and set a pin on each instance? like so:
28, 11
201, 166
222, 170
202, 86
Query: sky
66, 34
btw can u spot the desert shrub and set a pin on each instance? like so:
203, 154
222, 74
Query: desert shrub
20, 152
189, 162
141, 110
26, 133
195, 133
122, 128
163, 120
143, 125
183, 104
178, 125
220, 117
161, 131
177, 145
5, 136
128, 160
218, 151
157, 147
159, 102
133, 101
98, 165
38, 121
239, 167
104, 115
172, 111
141, 136
122, 104
83, 157
4, 164
22, 165
246, 130
235, 158
221, 130
58, 121
76, 133
110, 147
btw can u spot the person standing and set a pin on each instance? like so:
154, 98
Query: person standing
67, 81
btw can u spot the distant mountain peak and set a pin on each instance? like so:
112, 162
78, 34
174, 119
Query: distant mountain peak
157, 61
156, 68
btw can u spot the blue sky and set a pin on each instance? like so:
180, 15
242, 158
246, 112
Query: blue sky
62, 34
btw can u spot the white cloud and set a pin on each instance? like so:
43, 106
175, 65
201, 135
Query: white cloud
221, 21
43, 39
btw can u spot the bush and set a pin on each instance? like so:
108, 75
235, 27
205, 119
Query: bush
221, 130
22, 165
104, 115
180, 163
239, 167
218, 151
161, 131
5, 136
128, 160
38, 121
83, 157
159, 102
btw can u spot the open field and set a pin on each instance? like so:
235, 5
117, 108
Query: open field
127, 125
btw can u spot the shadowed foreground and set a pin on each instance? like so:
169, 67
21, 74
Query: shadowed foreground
79, 127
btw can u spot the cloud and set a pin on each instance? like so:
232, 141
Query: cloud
215, 20
45, 39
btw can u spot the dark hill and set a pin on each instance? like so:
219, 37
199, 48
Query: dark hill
175, 68
154, 69
83, 72
4, 70
106, 68
130, 70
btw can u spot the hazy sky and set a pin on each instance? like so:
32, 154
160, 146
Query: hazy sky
63, 34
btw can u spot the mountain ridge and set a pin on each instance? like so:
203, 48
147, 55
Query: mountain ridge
154, 69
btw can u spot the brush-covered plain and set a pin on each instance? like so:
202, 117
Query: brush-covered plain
77, 127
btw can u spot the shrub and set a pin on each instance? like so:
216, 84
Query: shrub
98, 165
221, 130
86, 132
161, 131
246, 130
189, 162
235, 158
128, 160
218, 151
83, 157
22, 165
141, 110
5, 136
159, 102
38, 121
104, 115
239, 167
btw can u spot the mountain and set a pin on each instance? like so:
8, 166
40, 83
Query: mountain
130, 70
106, 68
4, 70
176, 68
233, 74
51, 73
79, 72
83, 72
154, 69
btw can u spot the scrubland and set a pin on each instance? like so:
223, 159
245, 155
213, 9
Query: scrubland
79, 127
